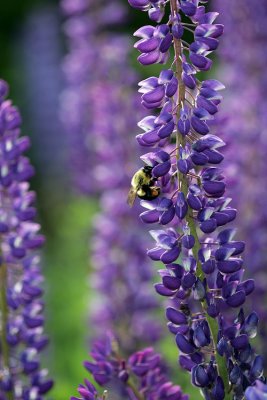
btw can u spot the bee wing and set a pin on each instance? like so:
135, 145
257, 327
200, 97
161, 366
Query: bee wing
131, 196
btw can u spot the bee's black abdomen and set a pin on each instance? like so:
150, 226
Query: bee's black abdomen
149, 192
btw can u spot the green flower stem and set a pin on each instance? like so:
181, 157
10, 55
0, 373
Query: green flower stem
134, 389
4, 320
180, 141
130, 382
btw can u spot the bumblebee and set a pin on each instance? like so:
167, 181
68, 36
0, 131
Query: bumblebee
142, 186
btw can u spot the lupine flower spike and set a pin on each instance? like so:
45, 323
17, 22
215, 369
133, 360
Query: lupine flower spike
122, 274
245, 131
89, 392
143, 376
21, 306
202, 259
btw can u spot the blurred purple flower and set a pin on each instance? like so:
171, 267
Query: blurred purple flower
40, 51
243, 126
89, 392
142, 375
118, 253
100, 123
21, 306
256, 392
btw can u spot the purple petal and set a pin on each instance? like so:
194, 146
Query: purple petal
167, 216
154, 95
184, 345
194, 202
155, 254
209, 266
188, 241
156, 14
147, 45
214, 157
247, 286
240, 342
171, 282
200, 126
230, 266
140, 4
146, 31
150, 217
186, 363
172, 87
189, 80
175, 316
149, 58
166, 43
188, 7
177, 30
165, 76
188, 280
236, 300
199, 158
201, 62
162, 290
183, 166
181, 206
208, 226
170, 255
216, 188
161, 169
166, 130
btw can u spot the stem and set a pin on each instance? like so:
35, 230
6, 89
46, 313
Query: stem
221, 362
130, 383
134, 389
4, 321
180, 141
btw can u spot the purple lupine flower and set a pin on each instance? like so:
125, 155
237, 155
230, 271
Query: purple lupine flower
142, 375
21, 305
124, 302
256, 392
41, 53
203, 272
244, 127
85, 25
120, 259
122, 273
89, 392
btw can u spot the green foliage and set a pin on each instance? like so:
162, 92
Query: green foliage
67, 295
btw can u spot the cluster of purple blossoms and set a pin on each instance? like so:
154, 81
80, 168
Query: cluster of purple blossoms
41, 55
126, 303
203, 274
89, 392
21, 306
118, 246
118, 254
86, 23
245, 121
142, 376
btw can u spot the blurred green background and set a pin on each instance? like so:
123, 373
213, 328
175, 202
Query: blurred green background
28, 53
